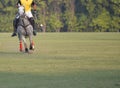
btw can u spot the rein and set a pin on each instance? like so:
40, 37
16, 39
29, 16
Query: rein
22, 19
24, 22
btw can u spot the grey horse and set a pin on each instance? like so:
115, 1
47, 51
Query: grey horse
24, 30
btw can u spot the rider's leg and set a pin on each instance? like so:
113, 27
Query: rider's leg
32, 21
15, 23
33, 24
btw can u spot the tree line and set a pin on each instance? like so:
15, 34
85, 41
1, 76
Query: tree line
67, 15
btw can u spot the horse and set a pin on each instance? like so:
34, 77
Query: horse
24, 30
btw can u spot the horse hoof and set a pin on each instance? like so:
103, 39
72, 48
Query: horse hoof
31, 47
26, 50
21, 51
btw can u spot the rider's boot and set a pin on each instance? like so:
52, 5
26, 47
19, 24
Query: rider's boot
15, 21
33, 24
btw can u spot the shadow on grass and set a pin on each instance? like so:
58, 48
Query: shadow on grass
17, 55
84, 79
5, 52
10, 53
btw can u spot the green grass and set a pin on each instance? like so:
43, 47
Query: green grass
62, 60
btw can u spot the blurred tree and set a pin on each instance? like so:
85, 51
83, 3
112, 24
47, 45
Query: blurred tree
68, 15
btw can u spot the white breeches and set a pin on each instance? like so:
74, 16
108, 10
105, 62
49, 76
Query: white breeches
29, 14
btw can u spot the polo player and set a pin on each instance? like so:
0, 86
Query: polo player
28, 4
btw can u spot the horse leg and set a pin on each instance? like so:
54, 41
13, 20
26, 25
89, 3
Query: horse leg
20, 43
32, 47
20, 46
25, 44
31, 43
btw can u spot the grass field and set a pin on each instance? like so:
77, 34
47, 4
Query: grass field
62, 60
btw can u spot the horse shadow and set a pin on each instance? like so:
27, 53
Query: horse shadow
9, 53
